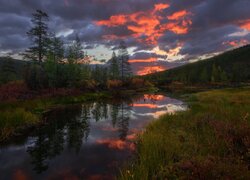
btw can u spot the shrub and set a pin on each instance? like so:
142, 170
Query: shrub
12, 90
137, 83
114, 84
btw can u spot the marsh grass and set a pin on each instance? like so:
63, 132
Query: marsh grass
12, 120
24, 114
209, 141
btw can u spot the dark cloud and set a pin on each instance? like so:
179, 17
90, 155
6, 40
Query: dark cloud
206, 27
145, 55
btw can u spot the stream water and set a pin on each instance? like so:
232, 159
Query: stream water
85, 141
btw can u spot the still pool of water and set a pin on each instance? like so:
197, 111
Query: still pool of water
86, 141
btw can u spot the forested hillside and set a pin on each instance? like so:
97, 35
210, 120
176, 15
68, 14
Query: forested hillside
230, 67
11, 69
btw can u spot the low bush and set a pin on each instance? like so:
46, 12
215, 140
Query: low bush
114, 84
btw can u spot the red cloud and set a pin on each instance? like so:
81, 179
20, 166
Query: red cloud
178, 15
150, 70
236, 43
143, 60
161, 6
245, 24
113, 21
146, 26
177, 27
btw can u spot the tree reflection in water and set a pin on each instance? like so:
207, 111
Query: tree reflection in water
123, 120
68, 128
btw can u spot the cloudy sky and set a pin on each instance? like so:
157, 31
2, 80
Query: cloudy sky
160, 34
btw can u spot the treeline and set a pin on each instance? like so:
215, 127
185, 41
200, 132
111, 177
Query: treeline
53, 64
230, 67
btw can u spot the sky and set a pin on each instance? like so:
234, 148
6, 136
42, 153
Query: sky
160, 34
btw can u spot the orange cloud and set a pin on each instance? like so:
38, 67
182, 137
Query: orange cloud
113, 21
143, 60
245, 25
161, 6
177, 27
146, 26
150, 70
236, 43
178, 15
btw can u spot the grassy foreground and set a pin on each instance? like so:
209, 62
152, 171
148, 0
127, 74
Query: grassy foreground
209, 141
18, 116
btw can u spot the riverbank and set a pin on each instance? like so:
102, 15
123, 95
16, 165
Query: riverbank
17, 117
209, 141
21, 108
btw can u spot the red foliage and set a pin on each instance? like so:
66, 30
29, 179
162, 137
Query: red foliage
13, 91
114, 84
17, 90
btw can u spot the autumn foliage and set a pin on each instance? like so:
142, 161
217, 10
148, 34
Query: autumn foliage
18, 90
114, 84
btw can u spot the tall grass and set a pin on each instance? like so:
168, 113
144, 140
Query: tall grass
210, 141
11, 120
22, 114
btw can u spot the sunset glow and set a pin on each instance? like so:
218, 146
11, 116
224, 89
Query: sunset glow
159, 35
245, 24
150, 70
117, 144
149, 24
143, 60
178, 15
236, 43
124, 89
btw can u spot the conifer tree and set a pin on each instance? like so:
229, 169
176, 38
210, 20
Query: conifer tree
114, 67
75, 50
39, 36
124, 65
55, 48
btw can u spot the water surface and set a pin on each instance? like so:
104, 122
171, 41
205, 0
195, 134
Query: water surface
86, 141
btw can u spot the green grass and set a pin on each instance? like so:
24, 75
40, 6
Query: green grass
12, 120
24, 114
209, 141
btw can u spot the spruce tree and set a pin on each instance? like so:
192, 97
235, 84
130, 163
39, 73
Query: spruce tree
39, 36
55, 48
75, 50
124, 65
114, 67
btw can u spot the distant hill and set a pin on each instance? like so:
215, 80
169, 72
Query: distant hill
230, 67
11, 69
